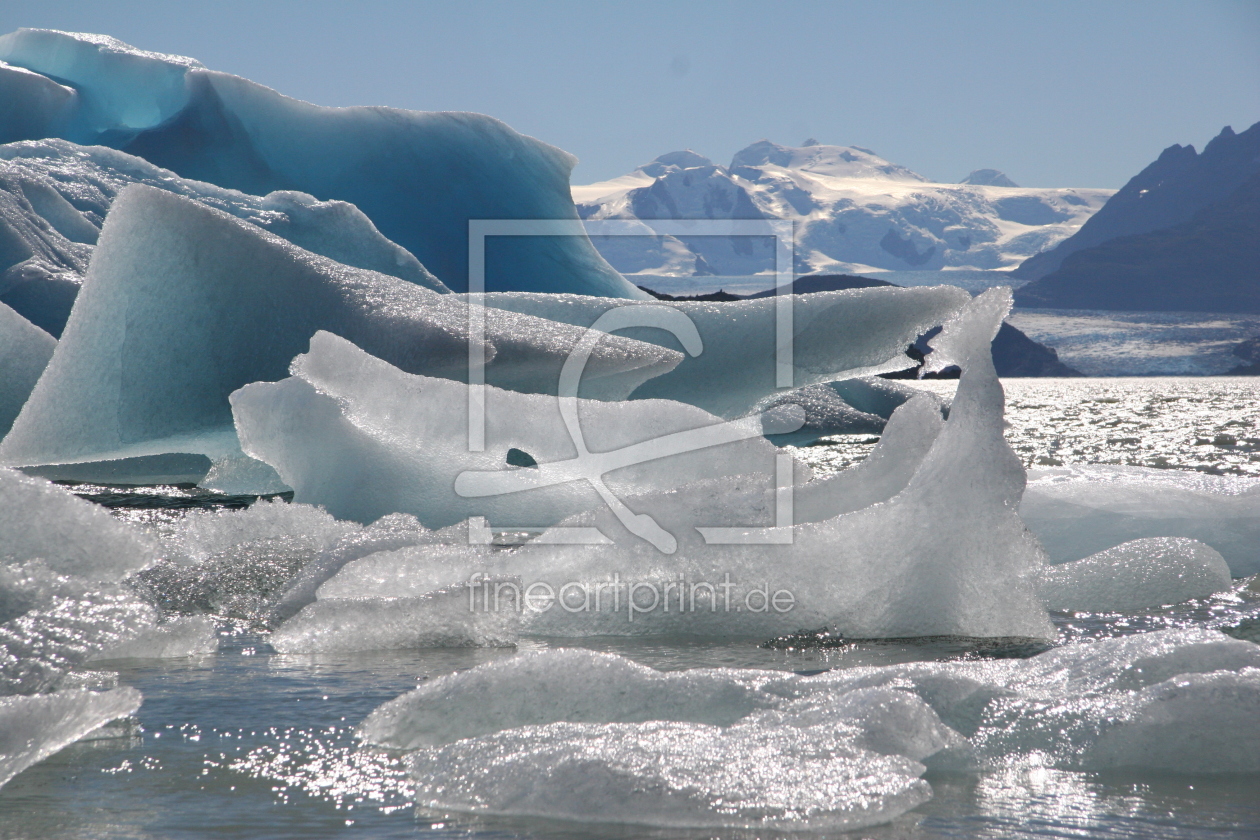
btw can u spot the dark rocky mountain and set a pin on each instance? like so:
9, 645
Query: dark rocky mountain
1014, 353
1170, 191
1210, 263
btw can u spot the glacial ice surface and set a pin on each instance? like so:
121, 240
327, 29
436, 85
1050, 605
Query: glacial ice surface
210, 303
578, 735
444, 169
436, 619
569, 685
41, 521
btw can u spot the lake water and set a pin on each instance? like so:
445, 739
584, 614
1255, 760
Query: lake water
250, 743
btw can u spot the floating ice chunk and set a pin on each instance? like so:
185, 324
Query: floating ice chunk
887, 721
576, 686
241, 474
1134, 701
172, 639
41, 520
33, 728
238, 562
444, 170
1198, 723
389, 533
24, 352
1135, 575
438, 619
946, 555
746, 501
826, 413
834, 335
671, 775
1078, 511
169, 323
362, 438
41, 645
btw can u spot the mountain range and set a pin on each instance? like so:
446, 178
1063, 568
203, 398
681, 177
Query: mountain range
854, 212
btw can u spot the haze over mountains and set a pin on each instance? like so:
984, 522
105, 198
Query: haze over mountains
854, 210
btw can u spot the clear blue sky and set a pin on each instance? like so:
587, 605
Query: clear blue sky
1053, 93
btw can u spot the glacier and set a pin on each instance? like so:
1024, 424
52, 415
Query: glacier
445, 168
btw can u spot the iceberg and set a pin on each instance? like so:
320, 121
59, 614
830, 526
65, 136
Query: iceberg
945, 555
834, 336
444, 168
24, 353
54, 196
1135, 575
210, 303
1081, 510
922, 539
360, 437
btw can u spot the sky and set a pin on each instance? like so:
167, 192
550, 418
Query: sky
1054, 94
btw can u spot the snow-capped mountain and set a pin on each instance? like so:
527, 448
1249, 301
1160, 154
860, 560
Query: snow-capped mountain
854, 211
